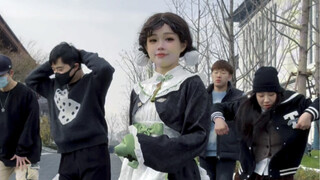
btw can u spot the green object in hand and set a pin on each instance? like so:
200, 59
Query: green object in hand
154, 129
126, 149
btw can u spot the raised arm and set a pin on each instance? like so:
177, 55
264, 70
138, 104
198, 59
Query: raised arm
101, 68
39, 79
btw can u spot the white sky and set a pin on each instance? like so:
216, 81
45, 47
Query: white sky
102, 26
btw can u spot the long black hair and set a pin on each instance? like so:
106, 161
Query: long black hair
251, 120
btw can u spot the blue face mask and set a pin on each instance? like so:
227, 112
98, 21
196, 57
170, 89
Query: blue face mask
3, 81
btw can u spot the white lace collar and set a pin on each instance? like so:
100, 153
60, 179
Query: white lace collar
171, 81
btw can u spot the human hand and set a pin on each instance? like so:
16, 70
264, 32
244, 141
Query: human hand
304, 121
220, 126
21, 162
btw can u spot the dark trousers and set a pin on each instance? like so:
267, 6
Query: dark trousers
86, 164
218, 169
258, 177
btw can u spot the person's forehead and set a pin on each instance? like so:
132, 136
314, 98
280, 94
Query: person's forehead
221, 69
58, 63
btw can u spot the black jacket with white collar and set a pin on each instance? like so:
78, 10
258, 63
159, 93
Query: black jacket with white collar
186, 111
284, 117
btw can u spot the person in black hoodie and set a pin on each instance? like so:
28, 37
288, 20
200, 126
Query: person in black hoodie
222, 151
76, 105
274, 125
20, 143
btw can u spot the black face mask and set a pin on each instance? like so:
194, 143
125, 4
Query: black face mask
65, 78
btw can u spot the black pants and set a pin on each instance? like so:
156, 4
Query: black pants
218, 169
86, 164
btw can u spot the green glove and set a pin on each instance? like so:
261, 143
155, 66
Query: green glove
126, 149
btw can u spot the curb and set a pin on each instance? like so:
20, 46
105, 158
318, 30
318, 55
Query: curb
49, 149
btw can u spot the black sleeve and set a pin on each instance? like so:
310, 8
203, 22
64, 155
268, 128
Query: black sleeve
170, 154
227, 110
101, 69
313, 109
39, 80
30, 134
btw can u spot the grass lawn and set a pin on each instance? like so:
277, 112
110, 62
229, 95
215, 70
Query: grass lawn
312, 161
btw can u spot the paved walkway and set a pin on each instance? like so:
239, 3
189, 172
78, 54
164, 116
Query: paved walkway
50, 160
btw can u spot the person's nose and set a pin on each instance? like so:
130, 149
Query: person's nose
219, 74
266, 99
160, 45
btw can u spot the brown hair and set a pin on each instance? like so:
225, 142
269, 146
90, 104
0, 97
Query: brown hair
222, 64
176, 23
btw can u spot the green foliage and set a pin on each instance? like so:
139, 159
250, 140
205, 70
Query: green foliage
45, 133
312, 161
304, 174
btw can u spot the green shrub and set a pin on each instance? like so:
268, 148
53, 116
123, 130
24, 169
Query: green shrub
305, 174
45, 133
312, 160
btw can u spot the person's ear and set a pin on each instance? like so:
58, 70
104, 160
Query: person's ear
183, 46
11, 72
230, 77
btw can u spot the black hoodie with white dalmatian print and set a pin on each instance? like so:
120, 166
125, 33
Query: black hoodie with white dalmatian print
77, 116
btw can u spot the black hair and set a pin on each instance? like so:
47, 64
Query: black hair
176, 23
68, 54
250, 119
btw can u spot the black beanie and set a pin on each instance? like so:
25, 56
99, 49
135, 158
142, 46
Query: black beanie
266, 80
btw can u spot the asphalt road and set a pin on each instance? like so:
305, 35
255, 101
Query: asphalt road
49, 165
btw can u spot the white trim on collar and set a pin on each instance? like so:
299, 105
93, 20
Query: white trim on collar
171, 82
290, 98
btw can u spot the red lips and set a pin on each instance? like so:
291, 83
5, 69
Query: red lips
160, 55
267, 106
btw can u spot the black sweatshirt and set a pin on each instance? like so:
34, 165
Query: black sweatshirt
76, 115
19, 125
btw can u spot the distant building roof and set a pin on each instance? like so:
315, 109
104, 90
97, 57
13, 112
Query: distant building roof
9, 39
247, 8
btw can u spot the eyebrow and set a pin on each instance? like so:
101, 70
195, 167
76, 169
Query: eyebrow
166, 33
57, 67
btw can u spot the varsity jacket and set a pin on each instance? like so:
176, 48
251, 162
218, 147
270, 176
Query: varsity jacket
228, 145
77, 116
184, 109
284, 117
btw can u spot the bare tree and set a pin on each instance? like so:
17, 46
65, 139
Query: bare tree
134, 73
22, 63
302, 68
117, 128
283, 23
317, 55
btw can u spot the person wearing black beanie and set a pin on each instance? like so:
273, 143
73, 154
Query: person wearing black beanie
274, 125
266, 80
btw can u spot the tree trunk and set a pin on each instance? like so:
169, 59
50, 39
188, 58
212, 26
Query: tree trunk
232, 59
316, 139
302, 69
317, 55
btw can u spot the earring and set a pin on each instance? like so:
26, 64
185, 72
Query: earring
142, 59
191, 58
